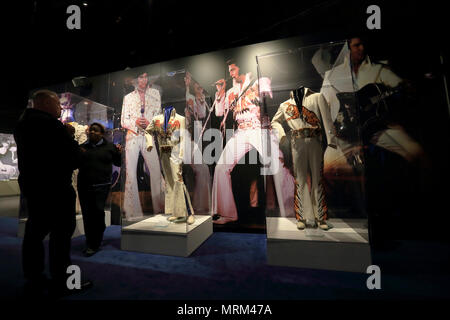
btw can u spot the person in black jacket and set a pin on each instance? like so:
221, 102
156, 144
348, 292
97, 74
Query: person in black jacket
94, 183
47, 155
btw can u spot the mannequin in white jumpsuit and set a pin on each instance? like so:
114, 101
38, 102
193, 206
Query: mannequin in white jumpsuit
307, 115
169, 129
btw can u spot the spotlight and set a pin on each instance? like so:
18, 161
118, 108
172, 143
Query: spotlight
84, 85
80, 82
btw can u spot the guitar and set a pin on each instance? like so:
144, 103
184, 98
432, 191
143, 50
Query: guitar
365, 111
233, 105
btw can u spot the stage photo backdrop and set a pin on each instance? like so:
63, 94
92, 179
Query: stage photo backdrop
236, 164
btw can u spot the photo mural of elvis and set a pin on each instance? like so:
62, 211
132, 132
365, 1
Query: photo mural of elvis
242, 100
139, 108
169, 129
390, 136
307, 115
195, 112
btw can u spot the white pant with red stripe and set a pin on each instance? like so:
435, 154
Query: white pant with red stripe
307, 155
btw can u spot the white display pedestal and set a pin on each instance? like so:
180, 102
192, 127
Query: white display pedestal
154, 235
345, 247
79, 227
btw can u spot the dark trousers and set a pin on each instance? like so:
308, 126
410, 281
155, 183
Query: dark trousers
53, 214
92, 202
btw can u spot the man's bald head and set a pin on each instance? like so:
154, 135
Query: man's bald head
47, 101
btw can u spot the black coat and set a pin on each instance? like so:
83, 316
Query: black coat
47, 154
96, 163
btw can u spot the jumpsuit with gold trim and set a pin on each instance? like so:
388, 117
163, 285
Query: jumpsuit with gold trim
307, 125
169, 129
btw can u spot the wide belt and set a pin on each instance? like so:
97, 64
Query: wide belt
306, 133
249, 125
165, 148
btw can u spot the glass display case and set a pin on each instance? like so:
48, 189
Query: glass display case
312, 122
167, 186
80, 112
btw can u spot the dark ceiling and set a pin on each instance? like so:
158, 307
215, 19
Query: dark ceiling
40, 50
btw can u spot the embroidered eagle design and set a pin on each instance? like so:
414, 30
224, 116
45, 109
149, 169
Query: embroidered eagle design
310, 117
171, 127
292, 111
246, 101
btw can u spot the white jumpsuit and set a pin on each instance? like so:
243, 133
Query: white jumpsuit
171, 144
308, 123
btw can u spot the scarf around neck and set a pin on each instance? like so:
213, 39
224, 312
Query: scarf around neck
167, 113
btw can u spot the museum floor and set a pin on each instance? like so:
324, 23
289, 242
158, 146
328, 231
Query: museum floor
232, 266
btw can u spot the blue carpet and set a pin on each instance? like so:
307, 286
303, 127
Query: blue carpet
232, 266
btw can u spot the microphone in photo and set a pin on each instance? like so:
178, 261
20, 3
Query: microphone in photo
228, 83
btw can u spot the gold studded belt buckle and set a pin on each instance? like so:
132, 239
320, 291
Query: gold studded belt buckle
306, 133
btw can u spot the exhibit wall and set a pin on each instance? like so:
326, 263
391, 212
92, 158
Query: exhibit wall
170, 80
228, 100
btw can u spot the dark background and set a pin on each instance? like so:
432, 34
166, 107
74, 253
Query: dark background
39, 50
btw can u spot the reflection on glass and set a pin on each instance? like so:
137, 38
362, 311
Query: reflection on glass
310, 87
